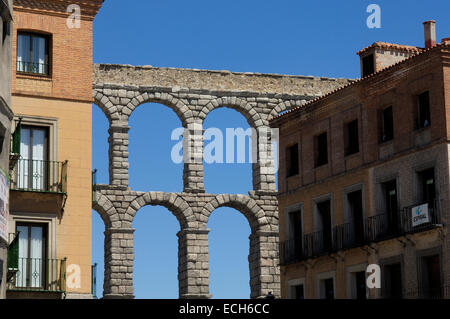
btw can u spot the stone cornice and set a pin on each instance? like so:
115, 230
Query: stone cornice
177, 79
89, 8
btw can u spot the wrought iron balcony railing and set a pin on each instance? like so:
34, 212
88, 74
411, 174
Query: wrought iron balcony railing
39, 176
349, 235
32, 67
413, 217
40, 275
94, 185
292, 250
94, 281
425, 292
381, 227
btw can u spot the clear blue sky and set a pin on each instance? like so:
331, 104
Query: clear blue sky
285, 36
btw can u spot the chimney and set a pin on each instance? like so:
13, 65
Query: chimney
430, 33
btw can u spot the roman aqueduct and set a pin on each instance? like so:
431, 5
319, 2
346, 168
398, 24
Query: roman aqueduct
118, 90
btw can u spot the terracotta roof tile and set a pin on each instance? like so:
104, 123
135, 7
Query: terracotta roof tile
391, 46
419, 53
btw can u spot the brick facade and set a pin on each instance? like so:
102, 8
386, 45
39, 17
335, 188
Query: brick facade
60, 103
411, 151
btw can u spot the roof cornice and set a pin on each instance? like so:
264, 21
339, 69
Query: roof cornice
89, 8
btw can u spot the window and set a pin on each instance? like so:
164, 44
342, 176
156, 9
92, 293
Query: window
391, 206
368, 65
387, 125
296, 233
296, 288
33, 167
32, 255
423, 112
292, 160
321, 150
360, 285
32, 53
327, 288
356, 216
351, 138
324, 219
430, 277
356, 285
427, 186
393, 281
298, 292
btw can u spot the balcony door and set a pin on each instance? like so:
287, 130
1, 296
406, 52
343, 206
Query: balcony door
325, 235
431, 277
390, 192
356, 215
32, 256
393, 281
428, 186
32, 169
295, 230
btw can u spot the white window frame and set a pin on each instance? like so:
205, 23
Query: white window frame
293, 283
287, 211
351, 280
320, 292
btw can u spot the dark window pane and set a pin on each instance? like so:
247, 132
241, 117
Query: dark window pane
292, 158
324, 210
356, 216
296, 236
428, 185
352, 140
321, 147
393, 281
329, 288
387, 133
360, 280
423, 101
390, 193
368, 65
431, 277
299, 292
32, 53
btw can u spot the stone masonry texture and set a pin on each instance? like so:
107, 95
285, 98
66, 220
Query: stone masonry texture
118, 90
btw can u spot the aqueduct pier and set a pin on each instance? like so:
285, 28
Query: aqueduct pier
118, 90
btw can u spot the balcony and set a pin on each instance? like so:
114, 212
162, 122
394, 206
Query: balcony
376, 228
94, 186
39, 186
32, 68
37, 275
39, 176
424, 292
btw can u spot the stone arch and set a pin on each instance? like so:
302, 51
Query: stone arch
247, 206
104, 207
181, 109
172, 201
242, 106
108, 108
284, 106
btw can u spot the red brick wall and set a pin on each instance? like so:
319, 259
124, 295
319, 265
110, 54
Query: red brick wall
363, 101
70, 57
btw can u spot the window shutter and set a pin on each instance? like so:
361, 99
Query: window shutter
13, 253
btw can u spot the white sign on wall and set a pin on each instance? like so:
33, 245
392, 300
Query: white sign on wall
419, 215
4, 213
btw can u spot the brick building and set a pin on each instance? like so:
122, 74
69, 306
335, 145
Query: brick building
6, 116
50, 197
364, 179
